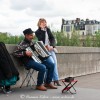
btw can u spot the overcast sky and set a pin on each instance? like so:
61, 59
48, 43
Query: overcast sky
17, 15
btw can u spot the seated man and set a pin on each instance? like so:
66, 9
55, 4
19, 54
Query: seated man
25, 57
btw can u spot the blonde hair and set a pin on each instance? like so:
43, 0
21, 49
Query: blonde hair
40, 21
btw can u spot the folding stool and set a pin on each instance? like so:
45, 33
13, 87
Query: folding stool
29, 76
69, 83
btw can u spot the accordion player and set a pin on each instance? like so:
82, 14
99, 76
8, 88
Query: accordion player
39, 51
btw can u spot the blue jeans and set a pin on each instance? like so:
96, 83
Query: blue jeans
42, 67
54, 60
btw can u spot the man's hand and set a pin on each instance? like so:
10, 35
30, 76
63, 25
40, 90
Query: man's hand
28, 53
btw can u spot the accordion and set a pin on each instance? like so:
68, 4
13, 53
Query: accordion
39, 51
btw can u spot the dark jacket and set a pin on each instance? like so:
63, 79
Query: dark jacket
40, 34
20, 51
7, 67
2, 76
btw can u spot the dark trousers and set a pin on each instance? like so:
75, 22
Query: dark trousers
47, 65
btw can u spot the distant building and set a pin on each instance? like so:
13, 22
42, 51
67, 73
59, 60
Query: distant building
84, 27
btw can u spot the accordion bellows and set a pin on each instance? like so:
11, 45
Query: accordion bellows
39, 51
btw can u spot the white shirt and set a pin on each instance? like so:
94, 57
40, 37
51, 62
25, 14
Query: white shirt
47, 42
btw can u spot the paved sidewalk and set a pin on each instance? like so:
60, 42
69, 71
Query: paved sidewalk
88, 88
91, 81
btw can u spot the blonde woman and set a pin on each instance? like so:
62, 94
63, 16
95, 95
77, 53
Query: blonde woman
43, 33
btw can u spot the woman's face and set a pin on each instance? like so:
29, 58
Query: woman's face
43, 24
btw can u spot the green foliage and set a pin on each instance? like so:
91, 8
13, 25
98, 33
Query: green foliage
63, 39
3, 37
97, 40
88, 41
9, 39
75, 39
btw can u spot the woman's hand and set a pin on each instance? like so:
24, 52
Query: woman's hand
49, 48
55, 50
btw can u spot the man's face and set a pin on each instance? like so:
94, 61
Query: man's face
29, 36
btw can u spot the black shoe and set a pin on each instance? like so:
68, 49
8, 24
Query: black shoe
7, 90
57, 83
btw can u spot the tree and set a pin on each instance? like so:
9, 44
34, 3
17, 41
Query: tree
88, 41
97, 39
75, 41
